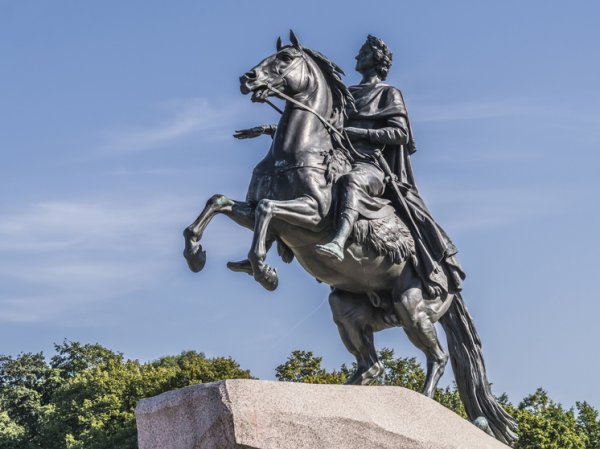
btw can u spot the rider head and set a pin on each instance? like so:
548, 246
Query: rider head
374, 58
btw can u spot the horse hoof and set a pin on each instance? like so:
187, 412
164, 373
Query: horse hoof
483, 424
195, 257
365, 377
268, 278
243, 266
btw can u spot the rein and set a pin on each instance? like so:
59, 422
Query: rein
322, 119
351, 152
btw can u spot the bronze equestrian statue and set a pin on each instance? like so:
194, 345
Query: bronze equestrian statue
336, 192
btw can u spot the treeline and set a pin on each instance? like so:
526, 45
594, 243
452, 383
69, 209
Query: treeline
84, 396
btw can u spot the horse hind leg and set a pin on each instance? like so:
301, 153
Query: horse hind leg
357, 320
244, 266
240, 212
416, 320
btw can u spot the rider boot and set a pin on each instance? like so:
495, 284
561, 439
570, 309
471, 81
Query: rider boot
335, 248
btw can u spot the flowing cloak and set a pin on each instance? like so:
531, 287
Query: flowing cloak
380, 108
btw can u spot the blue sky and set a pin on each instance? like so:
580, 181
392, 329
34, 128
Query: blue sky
115, 127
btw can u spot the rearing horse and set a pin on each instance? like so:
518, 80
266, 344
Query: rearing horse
290, 200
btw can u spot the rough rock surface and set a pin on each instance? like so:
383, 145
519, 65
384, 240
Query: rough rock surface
254, 414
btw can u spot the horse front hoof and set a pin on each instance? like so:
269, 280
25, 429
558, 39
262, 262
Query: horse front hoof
365, 377
355, 379
195, 257
268, 278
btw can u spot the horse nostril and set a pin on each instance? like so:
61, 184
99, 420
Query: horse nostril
250, 75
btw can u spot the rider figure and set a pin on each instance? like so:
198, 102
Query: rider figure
369, 129
381, 122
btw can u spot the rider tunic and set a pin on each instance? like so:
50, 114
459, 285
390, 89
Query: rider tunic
381, 112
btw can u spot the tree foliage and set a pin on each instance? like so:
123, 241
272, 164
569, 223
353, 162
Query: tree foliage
588, 425
304, 366
85, 395
545, 424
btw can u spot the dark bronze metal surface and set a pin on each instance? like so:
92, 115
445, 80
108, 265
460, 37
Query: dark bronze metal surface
336, 192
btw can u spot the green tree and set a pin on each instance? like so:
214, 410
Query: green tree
73, 357
26, 383
401, 372
94, 408
450, 398
192, 367
86, 396
11, 433
588, 425
304, 366
544, 424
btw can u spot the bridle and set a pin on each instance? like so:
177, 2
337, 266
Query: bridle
326, 123
301, 105
350, 152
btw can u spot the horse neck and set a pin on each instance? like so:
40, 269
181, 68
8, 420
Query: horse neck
299, 130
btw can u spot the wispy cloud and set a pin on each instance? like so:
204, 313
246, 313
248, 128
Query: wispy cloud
26, 309
59, 256
180, 119
157, 171
490, 208
466, 154
90, 224
472, 110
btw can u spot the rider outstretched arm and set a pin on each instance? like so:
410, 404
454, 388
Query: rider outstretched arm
251, 133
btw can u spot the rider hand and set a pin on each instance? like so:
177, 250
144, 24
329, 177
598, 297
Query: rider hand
249, 133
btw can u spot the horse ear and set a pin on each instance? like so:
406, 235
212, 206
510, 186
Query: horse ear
294, 40
279, 44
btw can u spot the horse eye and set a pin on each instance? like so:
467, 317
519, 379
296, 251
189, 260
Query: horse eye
285, 57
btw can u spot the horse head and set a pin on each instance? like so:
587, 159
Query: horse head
294, 70
286, 70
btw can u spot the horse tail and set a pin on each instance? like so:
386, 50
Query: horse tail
469, 371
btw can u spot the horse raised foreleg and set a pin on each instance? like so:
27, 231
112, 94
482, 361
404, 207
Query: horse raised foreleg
302, 212
240, 212
357, 319
419, 327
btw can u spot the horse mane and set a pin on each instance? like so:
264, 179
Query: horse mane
343, 101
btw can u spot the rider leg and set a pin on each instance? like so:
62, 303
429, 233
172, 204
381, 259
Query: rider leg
335, 248
415, 317
357, 319
359, 189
